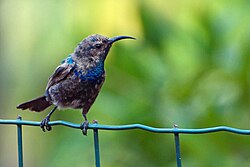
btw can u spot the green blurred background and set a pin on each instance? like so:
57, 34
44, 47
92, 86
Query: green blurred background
190, 66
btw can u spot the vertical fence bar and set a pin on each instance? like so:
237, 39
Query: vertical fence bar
20, 143
177, 147
96, 144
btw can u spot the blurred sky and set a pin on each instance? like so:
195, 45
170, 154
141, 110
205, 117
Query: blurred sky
190, 66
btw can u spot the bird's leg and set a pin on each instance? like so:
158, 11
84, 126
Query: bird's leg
45, 121
85, 124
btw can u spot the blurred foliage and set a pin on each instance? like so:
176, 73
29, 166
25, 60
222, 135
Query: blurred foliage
190, 65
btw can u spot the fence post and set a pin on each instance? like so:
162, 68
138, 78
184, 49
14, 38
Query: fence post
96, 144
19, 142
177, 146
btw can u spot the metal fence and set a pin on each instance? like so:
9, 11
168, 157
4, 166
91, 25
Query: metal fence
96, 127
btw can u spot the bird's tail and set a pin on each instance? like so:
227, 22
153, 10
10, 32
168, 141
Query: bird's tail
38, 104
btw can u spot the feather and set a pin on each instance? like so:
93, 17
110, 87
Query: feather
38, 104
60, 73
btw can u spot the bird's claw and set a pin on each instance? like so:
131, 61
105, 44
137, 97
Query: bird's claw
45, 123
84, 127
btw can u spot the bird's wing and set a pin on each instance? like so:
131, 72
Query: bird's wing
60, 73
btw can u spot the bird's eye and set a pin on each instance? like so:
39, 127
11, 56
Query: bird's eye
98, 45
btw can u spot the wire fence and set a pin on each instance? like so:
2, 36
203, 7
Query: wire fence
96, 127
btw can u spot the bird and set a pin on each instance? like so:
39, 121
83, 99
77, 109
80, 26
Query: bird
77, 81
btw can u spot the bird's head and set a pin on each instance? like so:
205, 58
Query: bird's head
96, 47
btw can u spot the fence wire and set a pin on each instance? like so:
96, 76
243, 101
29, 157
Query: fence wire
96, 127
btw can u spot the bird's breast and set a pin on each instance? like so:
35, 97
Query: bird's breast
90, 74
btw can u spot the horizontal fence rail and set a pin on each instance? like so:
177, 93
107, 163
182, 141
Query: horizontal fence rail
133, 126
95, 127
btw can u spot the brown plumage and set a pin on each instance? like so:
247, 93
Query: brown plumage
37, 105
77, 81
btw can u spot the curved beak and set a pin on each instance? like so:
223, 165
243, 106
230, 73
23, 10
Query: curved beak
117, 38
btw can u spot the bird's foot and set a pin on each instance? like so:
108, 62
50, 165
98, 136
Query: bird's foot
45, 123
84, 127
